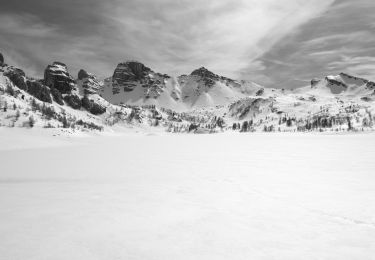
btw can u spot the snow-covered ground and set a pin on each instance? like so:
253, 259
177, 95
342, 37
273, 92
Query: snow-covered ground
224, 196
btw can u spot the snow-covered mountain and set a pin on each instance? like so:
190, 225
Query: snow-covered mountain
133, 83
60, 101
203, 88
136, 96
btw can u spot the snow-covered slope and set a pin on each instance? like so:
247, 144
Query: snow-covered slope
69, 104
135, 84
344, 100
202, 102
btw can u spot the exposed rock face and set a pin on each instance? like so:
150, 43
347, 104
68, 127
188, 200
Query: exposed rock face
205, 73
82, 74
90, 83
366, 99
370, 85
1, 59
57, 96
73, 101
352, 79
335, 85
92, 107
260, 92
39, 91
336, 82
209, 78
314, 82
18, 78
129, 75
241, 108
35, 88
57, 76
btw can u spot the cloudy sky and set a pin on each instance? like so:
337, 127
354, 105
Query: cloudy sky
272, 42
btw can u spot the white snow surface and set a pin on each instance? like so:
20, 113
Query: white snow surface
162, 196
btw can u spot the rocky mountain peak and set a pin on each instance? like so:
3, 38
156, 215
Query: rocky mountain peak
1, 59
204, 73
130, 70
314, 82
57, 76
82, 74
209, 78
88, 82
128, 75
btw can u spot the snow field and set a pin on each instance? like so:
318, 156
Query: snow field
224, 196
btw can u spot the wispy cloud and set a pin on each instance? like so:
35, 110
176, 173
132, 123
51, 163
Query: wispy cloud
341, 39
171, 36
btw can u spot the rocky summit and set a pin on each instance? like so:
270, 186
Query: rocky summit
129, 75
57, 76
209, 78
1, 59
201, 101
88, 82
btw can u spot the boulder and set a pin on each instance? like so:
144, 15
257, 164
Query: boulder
57, 76
73, 101
39, 91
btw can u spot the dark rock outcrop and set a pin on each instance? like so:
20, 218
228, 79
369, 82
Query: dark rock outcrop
90, 83
359, 81
370, 85
82, 74
92, 107
129, 75
336, 82
57, 76
204, 73
260, 92
57, 96
366, 99
1, 59
18, 77
39, 91
209, 78
314, 82
73, 101
336, 85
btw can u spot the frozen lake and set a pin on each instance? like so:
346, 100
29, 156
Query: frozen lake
250, 196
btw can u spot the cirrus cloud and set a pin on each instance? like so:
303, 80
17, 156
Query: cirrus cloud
229, 37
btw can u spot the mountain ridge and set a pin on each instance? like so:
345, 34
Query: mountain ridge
202, 101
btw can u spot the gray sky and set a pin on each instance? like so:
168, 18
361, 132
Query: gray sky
272, 42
